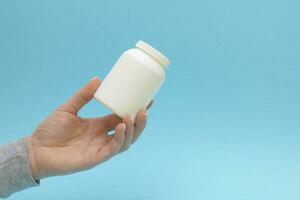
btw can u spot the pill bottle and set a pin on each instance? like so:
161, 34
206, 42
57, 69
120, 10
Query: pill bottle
133, 81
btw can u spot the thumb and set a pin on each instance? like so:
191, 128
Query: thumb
82, 97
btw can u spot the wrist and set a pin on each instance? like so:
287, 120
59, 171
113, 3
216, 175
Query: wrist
32, 160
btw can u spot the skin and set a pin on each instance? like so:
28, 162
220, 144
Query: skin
66, 143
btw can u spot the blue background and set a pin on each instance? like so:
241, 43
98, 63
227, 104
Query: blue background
224, 126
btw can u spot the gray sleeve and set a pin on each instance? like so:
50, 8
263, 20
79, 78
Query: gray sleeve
15, 173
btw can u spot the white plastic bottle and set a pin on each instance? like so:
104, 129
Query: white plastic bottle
133, 81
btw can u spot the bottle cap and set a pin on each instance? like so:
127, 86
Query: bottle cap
162, 59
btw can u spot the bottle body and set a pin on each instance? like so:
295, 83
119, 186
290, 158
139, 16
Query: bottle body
131, 84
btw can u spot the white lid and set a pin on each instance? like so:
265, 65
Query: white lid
163, 60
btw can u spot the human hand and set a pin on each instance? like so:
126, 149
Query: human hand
66, 143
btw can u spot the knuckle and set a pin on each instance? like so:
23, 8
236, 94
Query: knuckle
125, 148
82, 98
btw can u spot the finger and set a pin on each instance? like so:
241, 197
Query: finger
110, 122
140, 123
114, 145
150, 104
82, 97
129, 134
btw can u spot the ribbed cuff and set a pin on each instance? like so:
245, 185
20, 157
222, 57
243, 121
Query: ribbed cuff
15, 173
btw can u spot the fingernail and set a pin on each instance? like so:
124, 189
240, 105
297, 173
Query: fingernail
146, 114
95, 77
123, 126
131, 117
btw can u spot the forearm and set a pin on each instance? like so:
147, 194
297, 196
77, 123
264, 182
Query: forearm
15, 172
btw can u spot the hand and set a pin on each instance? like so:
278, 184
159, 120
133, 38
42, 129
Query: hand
65, 143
